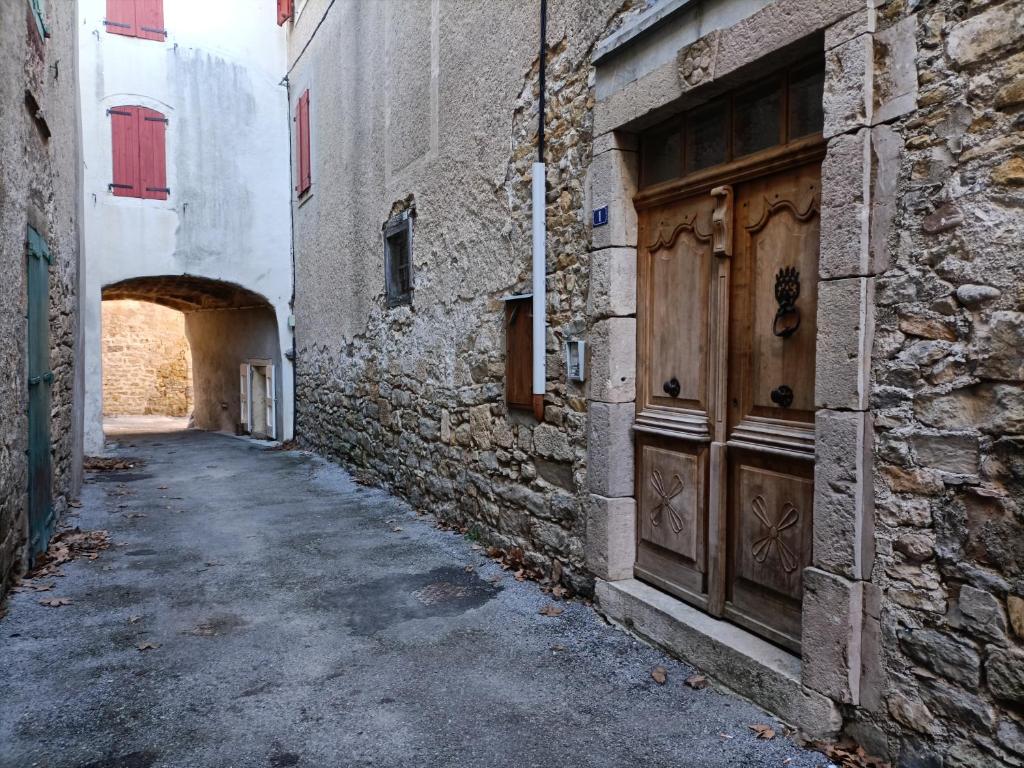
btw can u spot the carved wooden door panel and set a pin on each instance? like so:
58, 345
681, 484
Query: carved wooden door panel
726, 323
674, 397
773, 313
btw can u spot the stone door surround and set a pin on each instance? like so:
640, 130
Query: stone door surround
687, 54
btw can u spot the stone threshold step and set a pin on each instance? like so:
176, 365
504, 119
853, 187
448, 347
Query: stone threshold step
751, 667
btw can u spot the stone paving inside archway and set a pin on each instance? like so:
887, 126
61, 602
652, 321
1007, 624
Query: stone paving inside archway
259, 608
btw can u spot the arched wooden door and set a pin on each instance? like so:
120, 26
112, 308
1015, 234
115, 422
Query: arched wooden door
727, 306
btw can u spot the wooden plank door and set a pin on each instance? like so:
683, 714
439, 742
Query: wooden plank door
773, 315
675, 397
40, 379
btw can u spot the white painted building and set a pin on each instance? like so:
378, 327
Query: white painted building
218, 247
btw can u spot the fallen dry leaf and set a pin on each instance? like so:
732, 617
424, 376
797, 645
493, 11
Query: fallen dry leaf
697, 682
846, 754
659, 675
551, 610
726, 736
469, 569
396, 529
109, 464
161, 487
763, 731
66, 546
148, 646
134, 619
55, 602
31, 586
76, 504
557, 647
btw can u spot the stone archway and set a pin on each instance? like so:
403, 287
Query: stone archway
226, 325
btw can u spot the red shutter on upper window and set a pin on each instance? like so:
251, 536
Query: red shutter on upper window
152, 154
149, 19
124, 130
121, 17
302, 133
285, 10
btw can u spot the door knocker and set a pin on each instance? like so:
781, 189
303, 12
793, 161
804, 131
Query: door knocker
787, 290
671, 387
782, 396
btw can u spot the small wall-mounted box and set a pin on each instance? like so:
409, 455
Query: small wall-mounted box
575, 357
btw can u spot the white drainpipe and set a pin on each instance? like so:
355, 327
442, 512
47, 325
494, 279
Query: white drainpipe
539, 296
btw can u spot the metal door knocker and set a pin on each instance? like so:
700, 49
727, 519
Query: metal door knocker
782, 396
787, 290
671, 387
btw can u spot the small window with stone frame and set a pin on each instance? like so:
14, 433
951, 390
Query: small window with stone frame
398, 282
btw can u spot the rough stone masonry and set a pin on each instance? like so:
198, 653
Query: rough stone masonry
39, 186
420, 403
947, 397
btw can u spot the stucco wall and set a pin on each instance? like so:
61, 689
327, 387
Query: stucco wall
39, 185
402, 109
216, 78
147, 364
221, 340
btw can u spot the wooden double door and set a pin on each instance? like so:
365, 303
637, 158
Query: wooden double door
725, 403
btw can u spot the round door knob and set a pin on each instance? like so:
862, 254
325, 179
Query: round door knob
671, 387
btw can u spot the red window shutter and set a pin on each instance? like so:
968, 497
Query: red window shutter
302, 131
285, 10
121, 17
152, 154
124, 129
149, 19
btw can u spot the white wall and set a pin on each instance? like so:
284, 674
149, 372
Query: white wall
216, 77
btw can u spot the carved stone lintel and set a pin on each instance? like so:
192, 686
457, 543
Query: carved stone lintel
721, 222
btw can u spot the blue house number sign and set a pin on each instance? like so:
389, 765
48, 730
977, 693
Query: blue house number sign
601, 216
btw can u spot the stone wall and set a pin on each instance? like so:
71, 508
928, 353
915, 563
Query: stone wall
39, 185
147, 365
947, 396
414, 397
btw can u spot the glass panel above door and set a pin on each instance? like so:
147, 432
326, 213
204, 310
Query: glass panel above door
775, 111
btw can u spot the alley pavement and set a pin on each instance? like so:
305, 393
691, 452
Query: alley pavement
259, 608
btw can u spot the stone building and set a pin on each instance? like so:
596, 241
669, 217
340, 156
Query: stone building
186, 197
789, 234
40, 182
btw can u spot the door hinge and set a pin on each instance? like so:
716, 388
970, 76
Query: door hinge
118, 112
159, 189
116, 24
120, 186
163, 120
154, 31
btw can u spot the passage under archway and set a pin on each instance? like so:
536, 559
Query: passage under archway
227, 327
147, 362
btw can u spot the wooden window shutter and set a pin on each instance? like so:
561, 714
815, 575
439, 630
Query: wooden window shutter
302, 133
153, 154
121, 18
124, 130
519, 353
149, 19
285, 10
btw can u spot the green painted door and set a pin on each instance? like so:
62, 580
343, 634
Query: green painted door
40, 380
